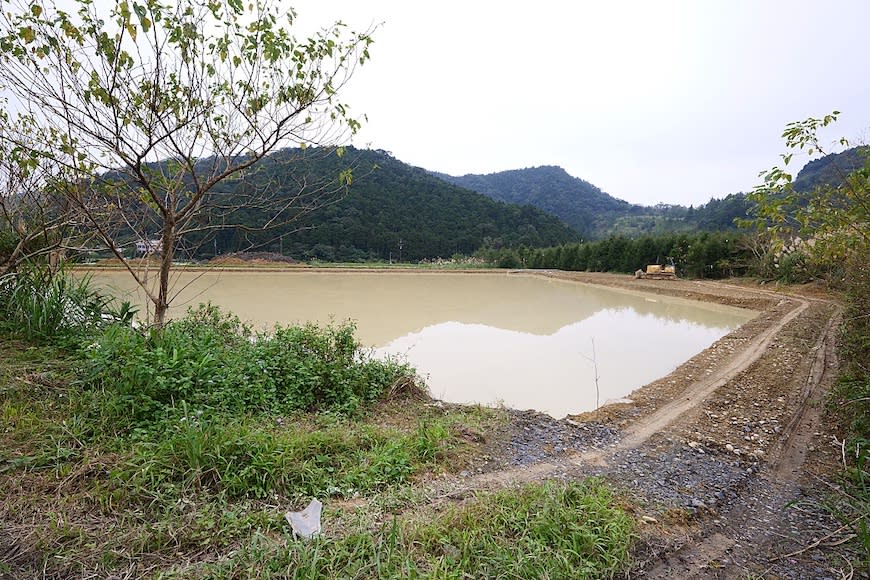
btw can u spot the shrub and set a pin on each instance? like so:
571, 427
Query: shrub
850, 400
212, 363
793, 268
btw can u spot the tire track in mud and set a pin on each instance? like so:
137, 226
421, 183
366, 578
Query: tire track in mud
750, 541
644, 428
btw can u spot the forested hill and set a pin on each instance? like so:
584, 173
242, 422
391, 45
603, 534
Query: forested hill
830, 169
719, 214
580, 204
399, 211
596, 214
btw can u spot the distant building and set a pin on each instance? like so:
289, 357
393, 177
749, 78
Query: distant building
148, 247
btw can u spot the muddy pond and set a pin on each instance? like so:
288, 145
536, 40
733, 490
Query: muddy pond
520, 340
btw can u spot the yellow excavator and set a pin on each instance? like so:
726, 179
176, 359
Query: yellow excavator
658, 272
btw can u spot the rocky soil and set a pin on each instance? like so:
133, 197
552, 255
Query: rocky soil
726, 460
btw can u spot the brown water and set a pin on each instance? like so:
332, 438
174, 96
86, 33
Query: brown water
490, 338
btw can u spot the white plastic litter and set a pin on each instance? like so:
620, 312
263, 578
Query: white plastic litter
306, 523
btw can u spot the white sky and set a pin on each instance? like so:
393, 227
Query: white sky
652, 101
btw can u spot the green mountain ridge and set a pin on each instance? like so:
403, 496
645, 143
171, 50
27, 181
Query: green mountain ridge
594, 213
577, 202
392, 211
830, 169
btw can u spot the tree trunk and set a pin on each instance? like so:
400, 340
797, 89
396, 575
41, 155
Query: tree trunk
161, 305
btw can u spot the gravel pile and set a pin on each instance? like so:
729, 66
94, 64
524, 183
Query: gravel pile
536, 437
677, 476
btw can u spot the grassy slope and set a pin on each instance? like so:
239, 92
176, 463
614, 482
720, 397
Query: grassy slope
78, 499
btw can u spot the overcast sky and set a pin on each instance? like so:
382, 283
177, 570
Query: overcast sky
652, 101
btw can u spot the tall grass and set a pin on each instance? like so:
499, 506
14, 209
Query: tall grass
251, 458
38, 304
204, 403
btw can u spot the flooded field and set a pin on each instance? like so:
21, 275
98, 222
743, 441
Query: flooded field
493, 338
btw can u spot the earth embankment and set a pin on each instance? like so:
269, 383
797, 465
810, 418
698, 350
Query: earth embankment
725, 458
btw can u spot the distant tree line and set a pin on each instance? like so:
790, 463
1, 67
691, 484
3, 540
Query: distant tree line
696, 255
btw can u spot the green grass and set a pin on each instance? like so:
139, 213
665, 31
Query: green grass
259, 458
79, 498
40, 305
208, 365
82, 495
207, 499
550, 530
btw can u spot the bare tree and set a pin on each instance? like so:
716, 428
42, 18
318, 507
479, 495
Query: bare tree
158, 104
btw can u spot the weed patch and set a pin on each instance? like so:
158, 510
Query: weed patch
40, 305
552, 530
247, 458
850, 403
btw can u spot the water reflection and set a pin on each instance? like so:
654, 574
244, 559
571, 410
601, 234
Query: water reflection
486, 337
475, 363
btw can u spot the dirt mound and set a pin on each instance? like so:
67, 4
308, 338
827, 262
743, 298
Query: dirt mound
250, 258
138, 262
